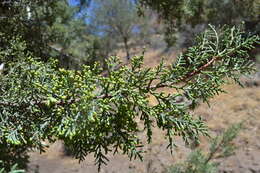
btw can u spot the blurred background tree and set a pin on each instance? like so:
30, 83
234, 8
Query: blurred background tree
117, 22
50, 29
186, 18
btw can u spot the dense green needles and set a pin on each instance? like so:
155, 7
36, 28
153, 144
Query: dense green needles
93, 113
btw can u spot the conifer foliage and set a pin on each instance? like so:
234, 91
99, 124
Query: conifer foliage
95, 113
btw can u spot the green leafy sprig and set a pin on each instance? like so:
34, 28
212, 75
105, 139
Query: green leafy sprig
93, 113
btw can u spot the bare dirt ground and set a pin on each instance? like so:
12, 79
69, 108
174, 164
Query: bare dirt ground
239, 104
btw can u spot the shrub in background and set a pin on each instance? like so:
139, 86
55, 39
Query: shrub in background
200, 161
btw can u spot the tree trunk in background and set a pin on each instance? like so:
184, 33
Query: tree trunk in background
126, 48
